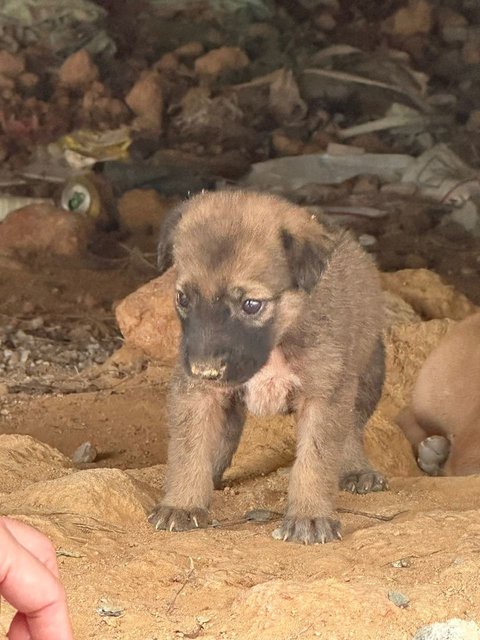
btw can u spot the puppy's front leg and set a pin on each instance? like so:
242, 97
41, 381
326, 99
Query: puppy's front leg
201, 429
321, 430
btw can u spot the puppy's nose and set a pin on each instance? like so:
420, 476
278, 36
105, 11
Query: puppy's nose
208, 370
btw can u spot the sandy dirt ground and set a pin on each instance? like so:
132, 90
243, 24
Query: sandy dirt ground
419, 540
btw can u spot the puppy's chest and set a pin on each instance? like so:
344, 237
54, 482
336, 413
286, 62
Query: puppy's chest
271, 390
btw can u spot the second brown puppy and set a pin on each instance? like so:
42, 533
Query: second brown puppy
278, 313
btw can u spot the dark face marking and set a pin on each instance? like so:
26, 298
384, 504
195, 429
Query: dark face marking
220, 344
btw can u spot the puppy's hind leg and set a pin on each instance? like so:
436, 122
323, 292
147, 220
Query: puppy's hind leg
357, 476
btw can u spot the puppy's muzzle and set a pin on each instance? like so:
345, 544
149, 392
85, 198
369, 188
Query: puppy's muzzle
209, 369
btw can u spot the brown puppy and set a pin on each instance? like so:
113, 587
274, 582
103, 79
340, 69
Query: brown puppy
277, 314
444, 415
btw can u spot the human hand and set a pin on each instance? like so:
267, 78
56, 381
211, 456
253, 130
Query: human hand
29, 581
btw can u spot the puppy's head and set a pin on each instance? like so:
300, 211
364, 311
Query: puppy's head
246, 264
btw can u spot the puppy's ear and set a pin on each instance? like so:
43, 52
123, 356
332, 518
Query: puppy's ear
306, 259
165, 237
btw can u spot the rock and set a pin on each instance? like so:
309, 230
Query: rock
142, 210
427, 294
325, 21
447, 17
44, 227
398, 599
78, 70
471, 53
366, 183
453, 629
6, 83
284, 145
28, 80
453, 25
367, 240
413, 19
85, 453
11, 65
145, 99
190, 50
168, 62
473, 123
148, 320
220, 60
471, 48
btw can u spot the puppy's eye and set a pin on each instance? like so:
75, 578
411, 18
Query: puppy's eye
251, 307
182, 300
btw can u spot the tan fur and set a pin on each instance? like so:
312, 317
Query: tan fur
269, 391
326, 364
446, 398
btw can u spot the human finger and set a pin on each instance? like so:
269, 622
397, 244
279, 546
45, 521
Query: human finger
32, 589
37, 543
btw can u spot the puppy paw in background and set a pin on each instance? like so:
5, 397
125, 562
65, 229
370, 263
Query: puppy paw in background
442, 422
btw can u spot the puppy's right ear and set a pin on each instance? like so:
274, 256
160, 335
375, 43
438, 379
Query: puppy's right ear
165, 238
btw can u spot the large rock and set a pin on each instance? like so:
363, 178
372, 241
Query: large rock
427, 294
78, 70
44, 228
145, 99
148, 321
220, 60
11, 65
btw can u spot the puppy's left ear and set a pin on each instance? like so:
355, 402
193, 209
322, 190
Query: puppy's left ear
306, 259
165, 237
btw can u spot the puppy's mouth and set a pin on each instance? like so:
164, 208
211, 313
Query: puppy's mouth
222, 374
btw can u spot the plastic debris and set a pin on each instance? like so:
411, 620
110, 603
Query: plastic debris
291, 173
63, 25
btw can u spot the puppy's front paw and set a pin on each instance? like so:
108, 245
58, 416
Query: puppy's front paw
364, 482
172, 519
308, 530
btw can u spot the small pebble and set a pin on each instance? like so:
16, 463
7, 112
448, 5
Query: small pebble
402, 563
85, 453
398, 599
366, 240
105, 609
